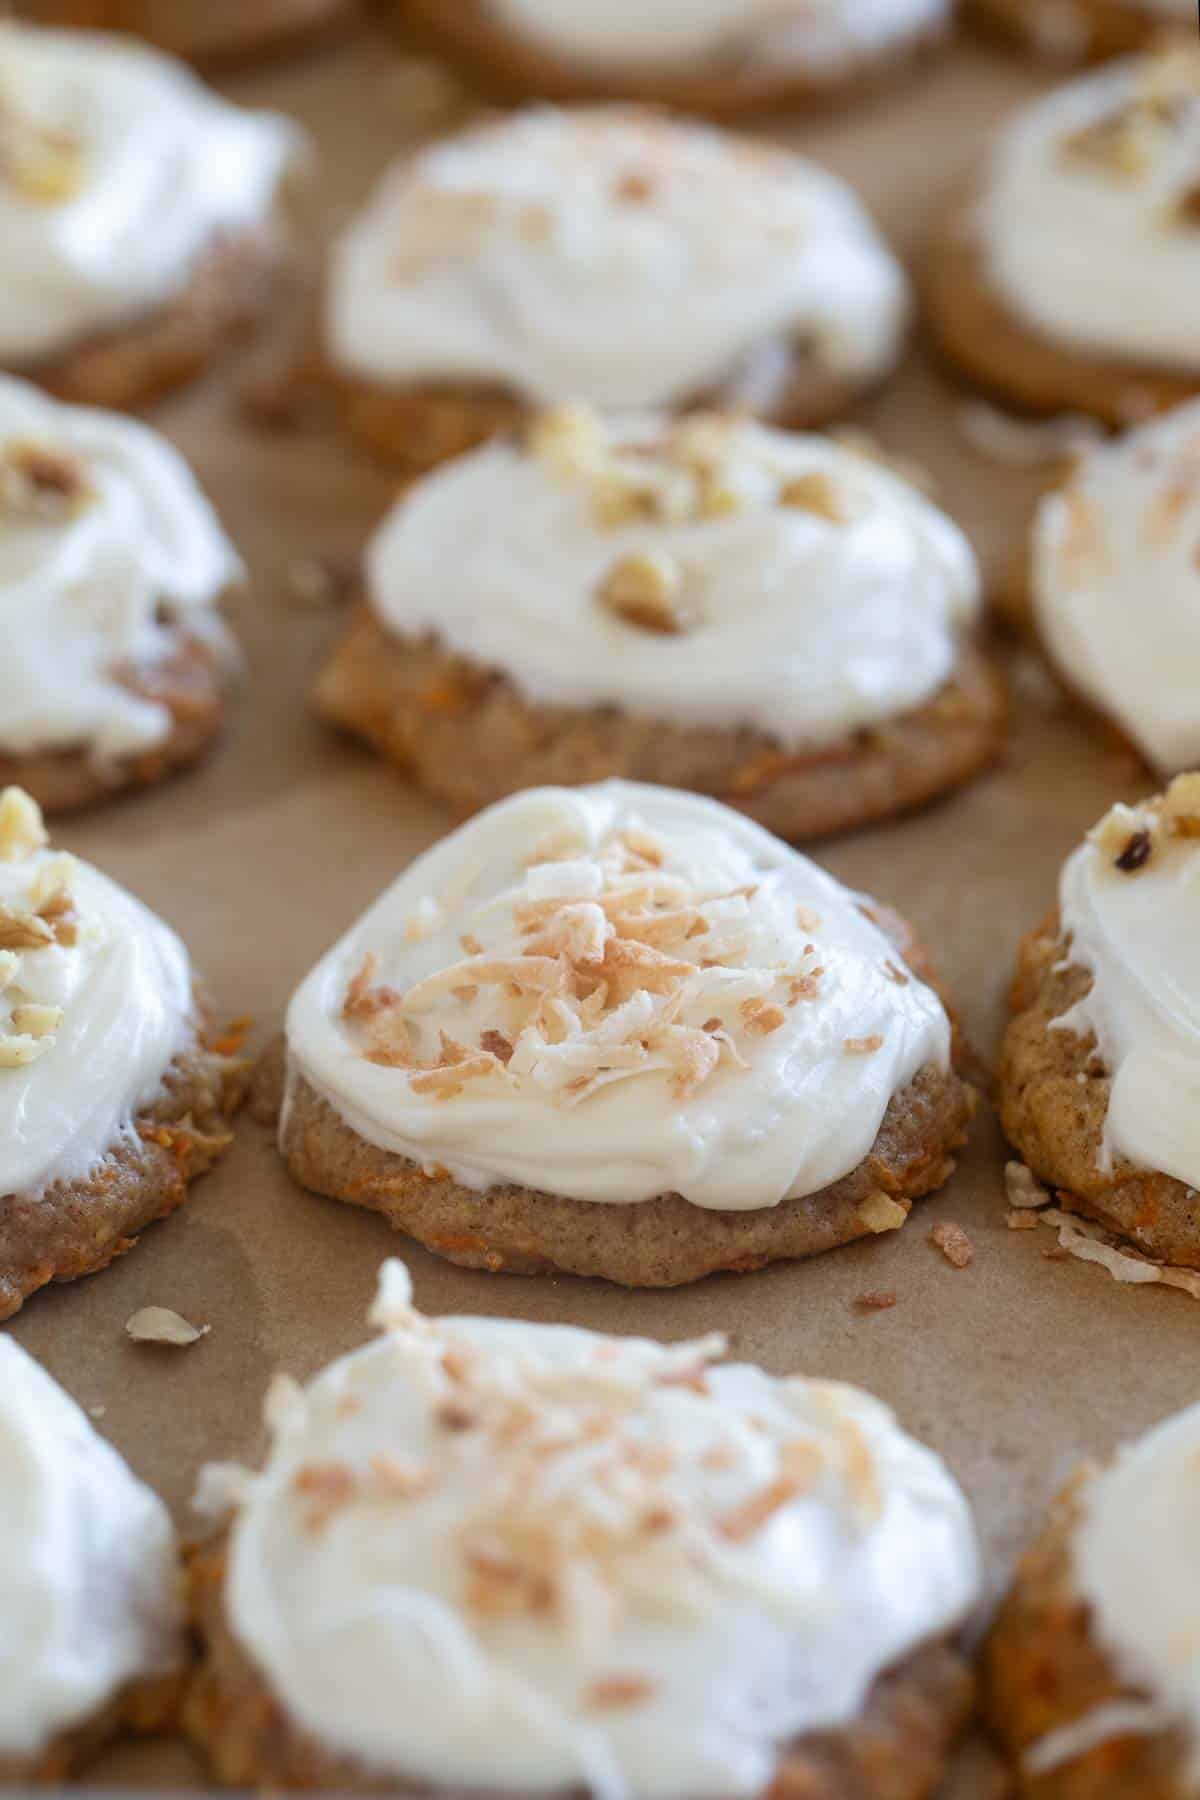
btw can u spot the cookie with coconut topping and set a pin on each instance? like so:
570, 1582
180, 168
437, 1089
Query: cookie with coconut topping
117, 664
1100, 1070
114, 1093
721, 57
138, 214
684, 601
489, 1555
1090, 1673
622, 1031
1115, 585
608, 256
1068, 279
1078, 30
90, 1590
204, 31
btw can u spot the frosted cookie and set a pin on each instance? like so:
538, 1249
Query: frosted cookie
1068, 279
621, 1031
90, 1589
1090, 1674
138, 219
205, 31
606, 256
484, 1555
714, 56
1075, 30
1115, 585
703, 602
114, 1094
1100, 1072
116, 664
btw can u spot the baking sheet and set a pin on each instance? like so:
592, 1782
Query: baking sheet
1012, 1367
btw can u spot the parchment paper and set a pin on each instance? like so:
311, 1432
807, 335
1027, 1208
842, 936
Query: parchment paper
1012, 1367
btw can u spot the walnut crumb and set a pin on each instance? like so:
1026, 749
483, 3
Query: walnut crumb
880, 1213
953, 1243
645, 591
875, 1300
22, 830
41, 482
814, 493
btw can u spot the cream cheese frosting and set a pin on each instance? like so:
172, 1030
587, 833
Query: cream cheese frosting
1088, 219
1116, 584
803, 591
89, 1589
1130, 899
1136, 1565
819, 34
615, 992
485, 1553
612, 257
95, 1003
117, 170
108, 552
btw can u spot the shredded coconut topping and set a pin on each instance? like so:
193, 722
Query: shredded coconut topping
621, 967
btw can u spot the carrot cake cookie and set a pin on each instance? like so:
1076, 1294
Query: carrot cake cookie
90, 1592
1068, 278
715, 56
1072, 30
1100, 1072
113, 1095
622, 1031
205, 31
117, 664
607, 256
705, 602
139, 226
1090, 1675
489, 1555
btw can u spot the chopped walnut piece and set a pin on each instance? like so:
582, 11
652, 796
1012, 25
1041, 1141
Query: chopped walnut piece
43, 163
1136, 852
1118, 144
761, 1017
645, 591
880, 1213
22, 830
953, 1243
1181, 806
23, 930
40, 482
814, 493
567, 440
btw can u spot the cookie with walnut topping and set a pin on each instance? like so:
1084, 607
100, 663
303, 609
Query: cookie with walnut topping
706, 603
549, 1552
1068, 278
139, 213
1101, 1062
115, 1092
117, 666
609, 256
1079, 30
727, 58
622, 1031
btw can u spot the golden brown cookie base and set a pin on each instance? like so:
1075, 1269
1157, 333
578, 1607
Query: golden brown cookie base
976, 332
191, 684
1042, 1670
205, 31
500, 63
143, 1709
1054, 1094
664, 1242
230, 291
1106, 27
78, 1227
470, 738
896, 1750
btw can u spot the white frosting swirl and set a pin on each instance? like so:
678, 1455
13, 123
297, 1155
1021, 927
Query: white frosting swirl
124, 992
817, 34
804, 627
89, 1576
1136, 1564
1091, 254
93, 592
779, 1104
613, 257
1116, 584
491, 1554
1136, 933
158, 167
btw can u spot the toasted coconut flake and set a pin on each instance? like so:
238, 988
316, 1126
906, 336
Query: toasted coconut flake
1023, 1188
880, 1213
953, 1243
329, 1487
619, 1692
1089, 1243
875, 1300
863, 1046
159, 1325
1021, 1219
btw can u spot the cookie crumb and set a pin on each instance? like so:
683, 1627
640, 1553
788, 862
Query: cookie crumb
953, 1243
1023, 1188
1021, 1220
879, 1213
874, 1300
